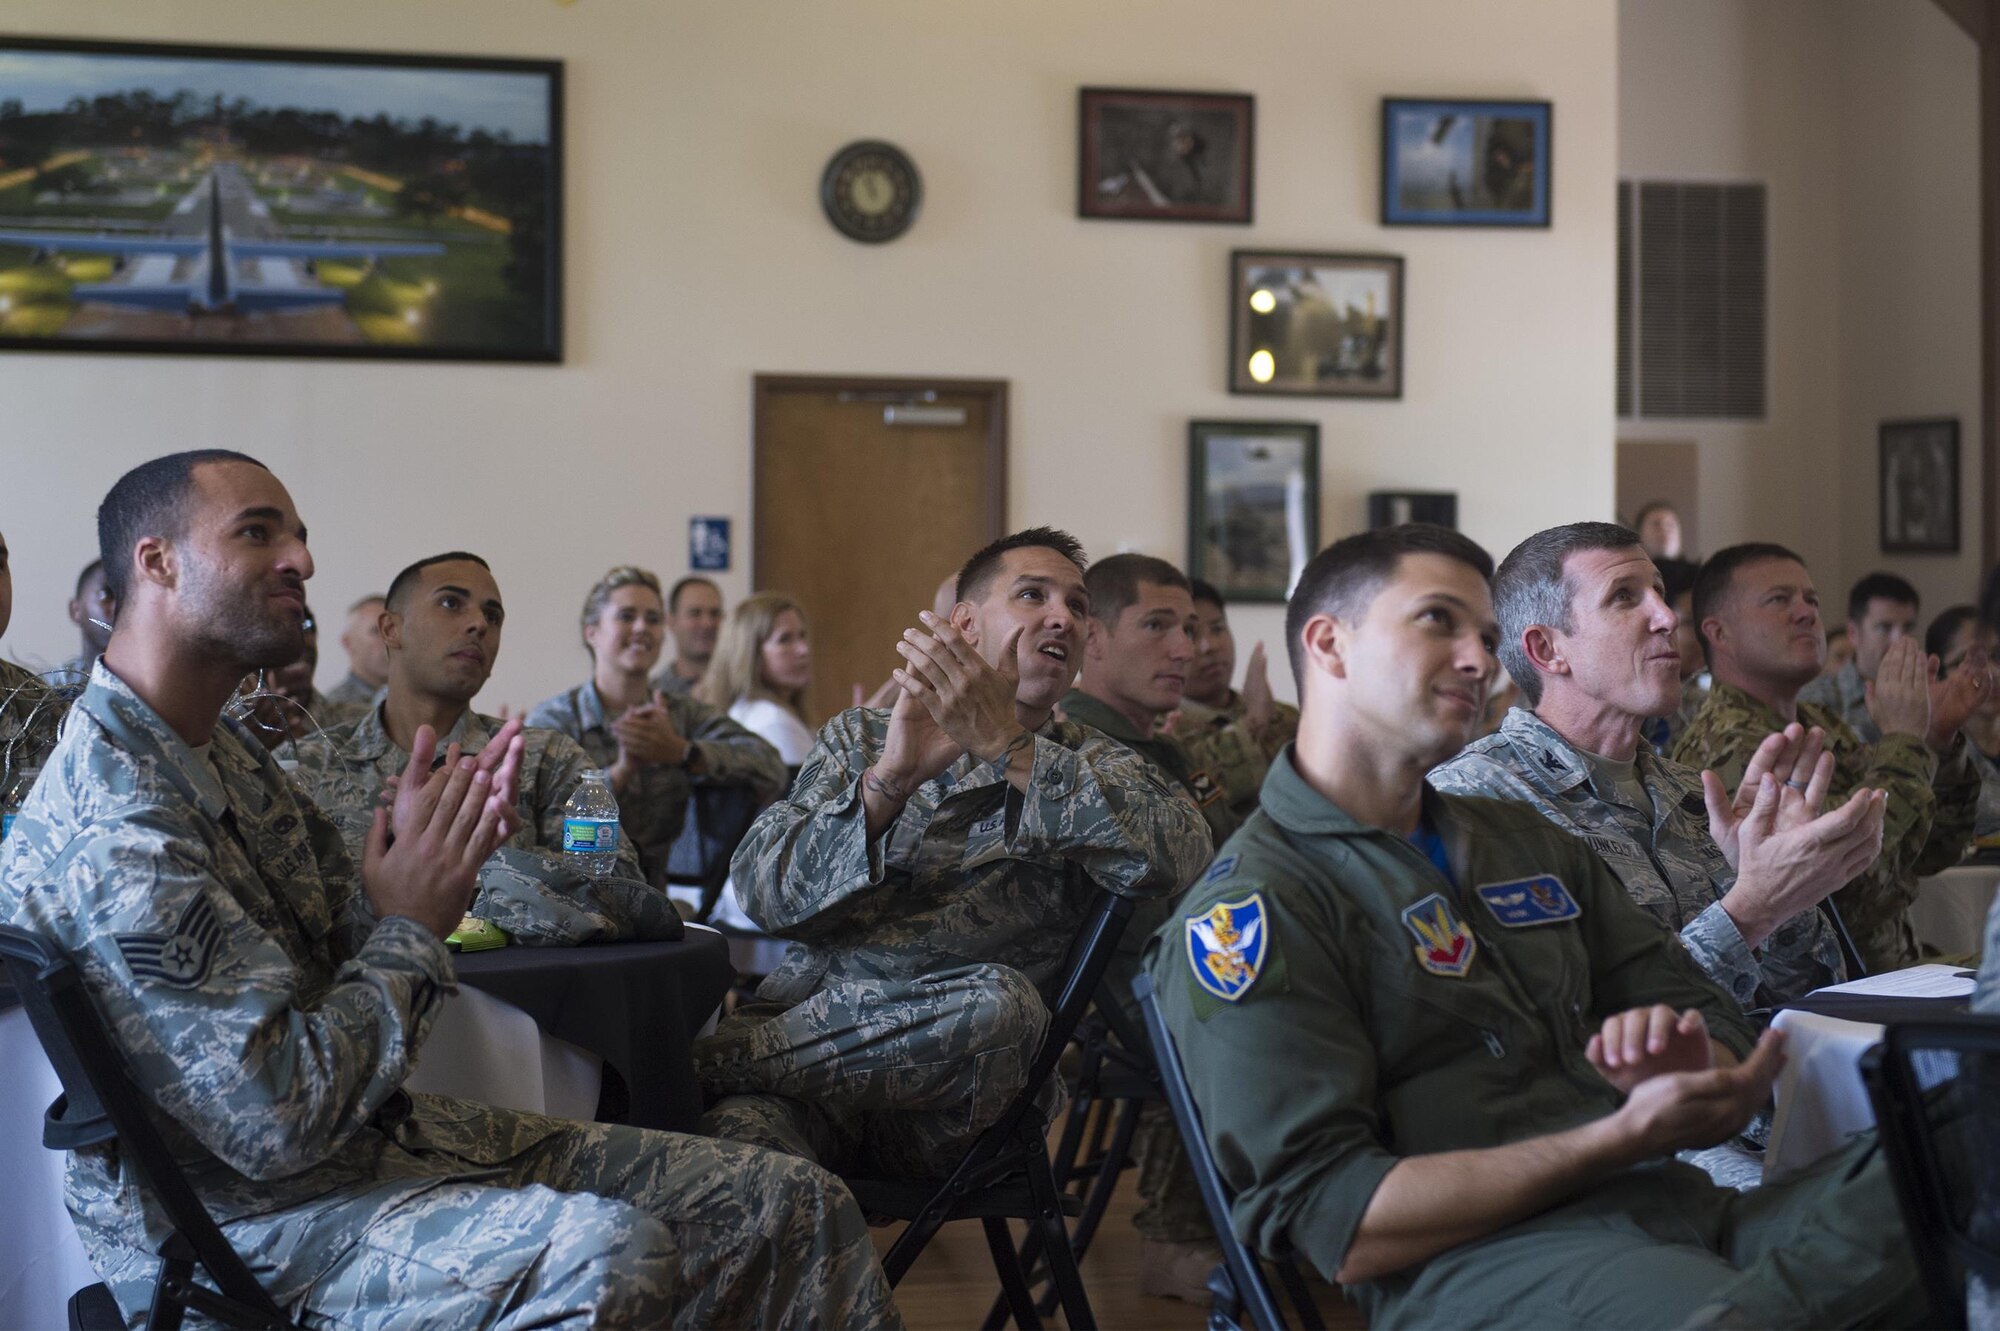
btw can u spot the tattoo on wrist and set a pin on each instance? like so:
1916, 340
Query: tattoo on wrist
888, 790
1024, 740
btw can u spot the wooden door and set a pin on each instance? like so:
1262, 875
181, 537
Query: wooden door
867, 492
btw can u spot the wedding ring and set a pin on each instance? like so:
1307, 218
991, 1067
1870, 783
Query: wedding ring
1796, 785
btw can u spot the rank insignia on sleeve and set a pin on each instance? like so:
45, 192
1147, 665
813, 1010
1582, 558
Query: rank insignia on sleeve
1226, 945
1530, 901
1445, 946
180, 959
1220, 869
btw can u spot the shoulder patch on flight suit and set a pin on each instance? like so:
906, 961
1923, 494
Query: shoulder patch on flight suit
182, 959
1226, 945
1524, 902
1445, 946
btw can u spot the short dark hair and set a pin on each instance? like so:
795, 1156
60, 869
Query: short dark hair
1650, 507
93, 566
1880, 587
1114, 583
1531, 587
149, 500
1343, 578
979, 569
693, 579
1204, 590
405, 582
1718, 573
1937, 638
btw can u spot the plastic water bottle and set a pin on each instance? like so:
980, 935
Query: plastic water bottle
590, 827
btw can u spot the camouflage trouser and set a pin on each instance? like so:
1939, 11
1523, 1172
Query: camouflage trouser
889, 1077
593, 1226
1170, 1209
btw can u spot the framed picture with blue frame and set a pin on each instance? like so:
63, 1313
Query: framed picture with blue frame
1466, 163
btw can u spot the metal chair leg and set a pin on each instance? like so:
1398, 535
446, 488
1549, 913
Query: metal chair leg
1013, 1281
1063, 1270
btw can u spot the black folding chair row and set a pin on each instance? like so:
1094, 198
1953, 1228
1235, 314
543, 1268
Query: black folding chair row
1951, 1206
1006, 1173
100, 1104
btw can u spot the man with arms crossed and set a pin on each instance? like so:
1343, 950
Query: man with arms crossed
270, 1002
1438, 1051
933, 863
1760, 625
1587, 635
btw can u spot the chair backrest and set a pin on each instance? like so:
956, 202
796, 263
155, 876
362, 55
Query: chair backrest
718, 819
100, 1102
1245, 1273
1949, 1190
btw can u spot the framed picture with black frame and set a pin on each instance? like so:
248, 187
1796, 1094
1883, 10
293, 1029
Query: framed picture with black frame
228, 200
1919, 486
1156, 156
1308, 324
1466, 163
1253, 505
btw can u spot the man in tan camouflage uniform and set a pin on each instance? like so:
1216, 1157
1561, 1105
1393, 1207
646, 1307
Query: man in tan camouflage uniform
1136, 659
270, 1002
1760, 625
1214, 720
933, 864
442, 627
1881, 611
1586, 632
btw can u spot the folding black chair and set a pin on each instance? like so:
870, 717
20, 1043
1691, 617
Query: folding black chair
100, 1104
1115, 1080
1239, 1285
1950, 1207
1005, 1174
718, 819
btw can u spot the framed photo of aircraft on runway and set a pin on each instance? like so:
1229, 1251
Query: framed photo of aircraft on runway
258, 201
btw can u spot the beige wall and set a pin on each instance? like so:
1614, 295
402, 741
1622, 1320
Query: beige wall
697, 256
1862, 117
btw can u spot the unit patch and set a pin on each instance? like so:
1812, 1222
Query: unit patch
1445, 946
180, 959
1205, 788
1525, 902
1226, 945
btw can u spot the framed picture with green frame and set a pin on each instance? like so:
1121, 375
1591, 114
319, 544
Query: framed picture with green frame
1253, 505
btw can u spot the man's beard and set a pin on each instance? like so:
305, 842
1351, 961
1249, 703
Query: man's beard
244, 628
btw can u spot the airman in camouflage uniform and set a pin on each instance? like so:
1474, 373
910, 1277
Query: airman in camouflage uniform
1223, 747
1760, 597
932, 864
354, 692
1845, 694
653, 805
31, 715
1881, 610
269, 1017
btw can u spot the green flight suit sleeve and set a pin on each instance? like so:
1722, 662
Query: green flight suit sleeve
1285, 1077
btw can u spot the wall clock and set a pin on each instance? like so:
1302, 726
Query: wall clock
871, 191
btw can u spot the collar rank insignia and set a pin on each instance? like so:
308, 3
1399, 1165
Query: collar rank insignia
1226, 946
1525, 902
180, 960
1445, 946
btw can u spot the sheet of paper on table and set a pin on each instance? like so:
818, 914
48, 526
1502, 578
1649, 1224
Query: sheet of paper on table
1911, 982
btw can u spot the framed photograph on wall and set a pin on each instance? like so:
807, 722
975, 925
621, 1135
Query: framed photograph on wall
1253, 505
256, 201
1465, 163
1316, 325
1920, 487
1156, 156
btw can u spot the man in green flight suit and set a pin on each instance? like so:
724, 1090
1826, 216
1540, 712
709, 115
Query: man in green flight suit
1437, 1050
1136, 661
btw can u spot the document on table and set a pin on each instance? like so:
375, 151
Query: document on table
1931, 981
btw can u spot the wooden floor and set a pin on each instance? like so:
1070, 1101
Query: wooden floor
953, 1283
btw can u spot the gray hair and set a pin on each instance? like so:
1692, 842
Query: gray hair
1532, 588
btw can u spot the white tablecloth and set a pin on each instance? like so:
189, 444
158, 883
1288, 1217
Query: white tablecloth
1821, 1099
1950, 910
479, 1049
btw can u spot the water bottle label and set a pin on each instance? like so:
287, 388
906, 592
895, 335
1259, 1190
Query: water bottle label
590, 836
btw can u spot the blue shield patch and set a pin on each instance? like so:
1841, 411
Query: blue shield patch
1526, 902
1226, 946
1445, 946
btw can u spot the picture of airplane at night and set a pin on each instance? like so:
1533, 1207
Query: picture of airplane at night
202, 199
